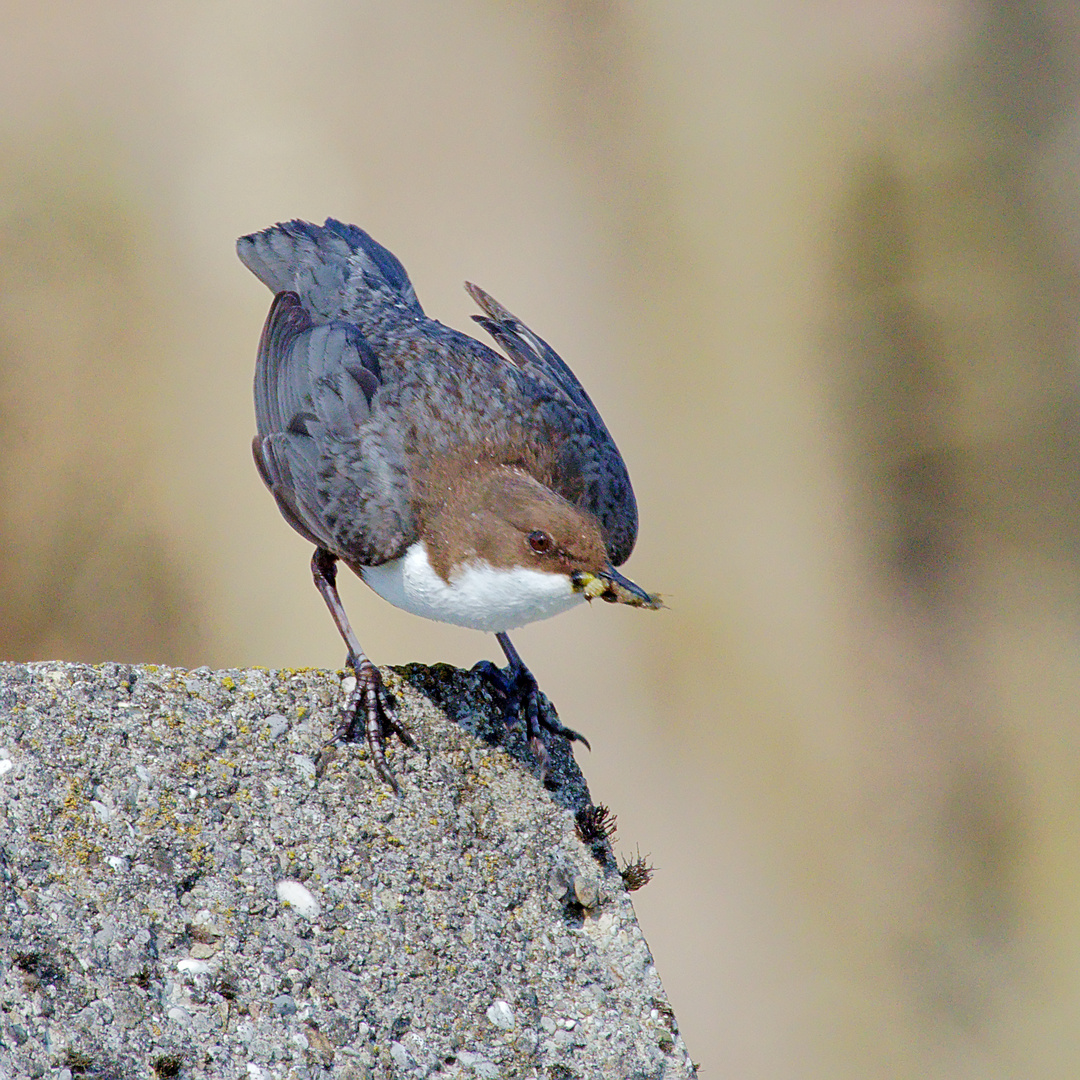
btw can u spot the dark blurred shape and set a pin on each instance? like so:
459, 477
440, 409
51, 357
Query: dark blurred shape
896, 382
85, 574
961, 308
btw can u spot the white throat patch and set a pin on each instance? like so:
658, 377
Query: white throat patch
478, 596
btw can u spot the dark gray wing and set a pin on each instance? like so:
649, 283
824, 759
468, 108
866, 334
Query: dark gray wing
527, 349
609, 493
327, 371
314, 386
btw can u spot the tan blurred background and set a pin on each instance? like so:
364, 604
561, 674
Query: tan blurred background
818, 264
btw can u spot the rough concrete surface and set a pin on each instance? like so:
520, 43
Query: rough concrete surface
194, 884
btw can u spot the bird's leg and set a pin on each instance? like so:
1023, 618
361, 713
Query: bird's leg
370, 699
518, 685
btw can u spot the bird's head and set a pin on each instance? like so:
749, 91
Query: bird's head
503, 517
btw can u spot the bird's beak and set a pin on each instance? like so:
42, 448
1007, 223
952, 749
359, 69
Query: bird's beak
611, 586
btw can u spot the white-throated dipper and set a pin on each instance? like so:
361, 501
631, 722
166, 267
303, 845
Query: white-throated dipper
461, 485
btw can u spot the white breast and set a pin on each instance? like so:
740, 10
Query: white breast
478, 596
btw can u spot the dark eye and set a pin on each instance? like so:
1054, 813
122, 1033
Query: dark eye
540, 541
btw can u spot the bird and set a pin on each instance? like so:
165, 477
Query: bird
465, 485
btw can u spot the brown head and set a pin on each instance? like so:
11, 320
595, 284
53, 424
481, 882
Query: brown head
477, 509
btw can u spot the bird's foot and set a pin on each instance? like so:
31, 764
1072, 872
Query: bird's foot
523, 700
371, 708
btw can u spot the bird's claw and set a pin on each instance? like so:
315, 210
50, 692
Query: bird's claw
372, 707
523, 700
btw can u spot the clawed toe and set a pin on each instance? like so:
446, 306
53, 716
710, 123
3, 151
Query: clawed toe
372, 708
370, 704
494, 675
524, 702
550, 722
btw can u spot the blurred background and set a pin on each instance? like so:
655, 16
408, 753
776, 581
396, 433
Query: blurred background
819, 266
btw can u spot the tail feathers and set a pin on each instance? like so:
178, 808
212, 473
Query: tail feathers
335, 268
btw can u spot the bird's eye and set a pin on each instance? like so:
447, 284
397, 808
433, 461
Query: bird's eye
540, 541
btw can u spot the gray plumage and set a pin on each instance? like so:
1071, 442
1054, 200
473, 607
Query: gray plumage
355, 385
